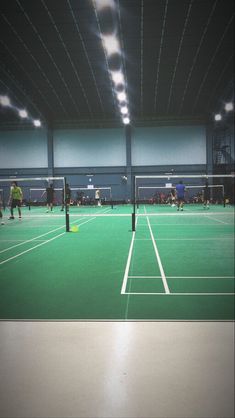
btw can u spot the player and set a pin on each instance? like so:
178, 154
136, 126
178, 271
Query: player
180, 191
15, 199
50, 197
97, 197
67, 197
206, 196
172, 198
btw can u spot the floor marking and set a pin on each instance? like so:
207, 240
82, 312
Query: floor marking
182, 277
185, 239
17, 240
215, 219
42, 243
80, 215
32, 239
143, 239
182, 214
32, 248
181, 294
125, 278
158, 259
144, 277
42, 235
183, 224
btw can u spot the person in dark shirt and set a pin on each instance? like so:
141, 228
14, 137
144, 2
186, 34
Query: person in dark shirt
50, 197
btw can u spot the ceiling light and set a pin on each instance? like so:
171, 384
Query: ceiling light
23, 114
126, 121
124, 110
218, 117
100, 4
37, 122
111, 44
117, 77
121, 96
5, 101
228, 106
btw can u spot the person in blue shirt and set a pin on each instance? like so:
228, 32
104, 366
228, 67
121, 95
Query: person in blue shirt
180, 191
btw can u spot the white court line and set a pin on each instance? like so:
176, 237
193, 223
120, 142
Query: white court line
215, 219
182, 277
42, 243
80, 215
32, 248
144, 277
17, 240
143, 239
185, 239
125, 278
32, 239
182, 214
38, 236
181, 225
159, 260
181, 294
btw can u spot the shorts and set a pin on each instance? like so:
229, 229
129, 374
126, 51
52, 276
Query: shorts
181, 198
49, 201
15, 202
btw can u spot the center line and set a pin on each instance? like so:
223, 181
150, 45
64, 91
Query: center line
165, 284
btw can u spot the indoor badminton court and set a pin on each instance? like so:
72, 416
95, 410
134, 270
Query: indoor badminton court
117, 278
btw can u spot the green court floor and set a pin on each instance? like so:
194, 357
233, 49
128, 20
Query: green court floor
176, 266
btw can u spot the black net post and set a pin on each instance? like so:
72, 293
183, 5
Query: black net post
66, 207
111, 197
29, 199
134, 204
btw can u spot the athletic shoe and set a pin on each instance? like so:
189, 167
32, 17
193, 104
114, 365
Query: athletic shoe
173, 205
61, 210
20, 218
2, 223
11, 217
181, 209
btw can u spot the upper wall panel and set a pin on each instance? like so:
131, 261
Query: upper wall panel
23, 149
172, 145
89, 148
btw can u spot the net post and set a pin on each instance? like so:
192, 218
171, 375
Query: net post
29, 198
111, 197
134, 204
66, 207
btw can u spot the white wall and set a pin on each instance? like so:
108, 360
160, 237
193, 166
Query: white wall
89, 147
169, 145
23, 149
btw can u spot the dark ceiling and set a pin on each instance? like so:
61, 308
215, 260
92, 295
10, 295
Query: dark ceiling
177, 59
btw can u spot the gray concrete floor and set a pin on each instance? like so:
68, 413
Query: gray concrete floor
117, 369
